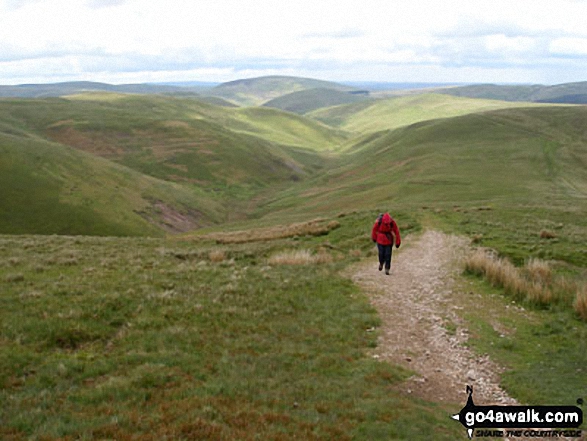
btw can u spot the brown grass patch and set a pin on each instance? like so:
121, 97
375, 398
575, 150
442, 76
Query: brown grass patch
539, 271
217, 256
533, 282
316, 227
299, 257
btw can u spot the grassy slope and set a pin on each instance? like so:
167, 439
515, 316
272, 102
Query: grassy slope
173, 139
287, 129
47, 188
391, 113
230, 153
530, 158
153, 339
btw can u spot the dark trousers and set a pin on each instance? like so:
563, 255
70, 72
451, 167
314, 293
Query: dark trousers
385, 255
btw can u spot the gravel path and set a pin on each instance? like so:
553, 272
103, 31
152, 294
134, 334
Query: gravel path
420, 327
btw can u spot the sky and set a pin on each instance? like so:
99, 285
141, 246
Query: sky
448, 41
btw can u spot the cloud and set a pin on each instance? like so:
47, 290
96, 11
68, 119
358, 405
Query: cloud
97, 4
121, 38
569, 46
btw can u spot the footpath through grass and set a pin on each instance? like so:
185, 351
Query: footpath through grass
168, 339
541, 341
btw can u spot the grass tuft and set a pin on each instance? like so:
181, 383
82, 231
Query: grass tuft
534, 282
539, 271
217, 256
299, 257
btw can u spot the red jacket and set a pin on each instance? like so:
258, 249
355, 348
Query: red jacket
386, 231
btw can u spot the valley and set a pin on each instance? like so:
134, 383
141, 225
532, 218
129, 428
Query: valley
141, 235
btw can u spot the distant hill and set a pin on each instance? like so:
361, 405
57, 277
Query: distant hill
257, 91
76, 87
569, 93
311, 99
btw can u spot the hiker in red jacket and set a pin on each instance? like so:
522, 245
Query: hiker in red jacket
385, 233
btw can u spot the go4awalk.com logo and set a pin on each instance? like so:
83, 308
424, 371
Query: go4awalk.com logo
518, 421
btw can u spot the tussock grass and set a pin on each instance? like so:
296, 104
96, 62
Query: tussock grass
498, 271
535, 282
546, 234
217, 256
299, 257
538, 270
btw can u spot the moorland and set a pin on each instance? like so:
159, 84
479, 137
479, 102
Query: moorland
174, 262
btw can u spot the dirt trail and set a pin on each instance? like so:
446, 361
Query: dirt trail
417, 305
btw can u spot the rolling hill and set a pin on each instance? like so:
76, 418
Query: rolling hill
516, 156
214, 163
185, 161
180, 140
94, 328
568, 93
257, 91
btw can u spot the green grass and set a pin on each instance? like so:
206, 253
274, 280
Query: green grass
544, 352
176, 139
147, 338
508, 158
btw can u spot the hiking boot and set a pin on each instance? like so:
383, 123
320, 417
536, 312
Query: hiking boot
380, 266
386, 272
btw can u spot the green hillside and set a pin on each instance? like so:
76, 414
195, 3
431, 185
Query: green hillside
305, 101
527, 166
286, 129
570, 93
257, 91
512, 155
391, 113
219, 155
47, 188
181, 140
